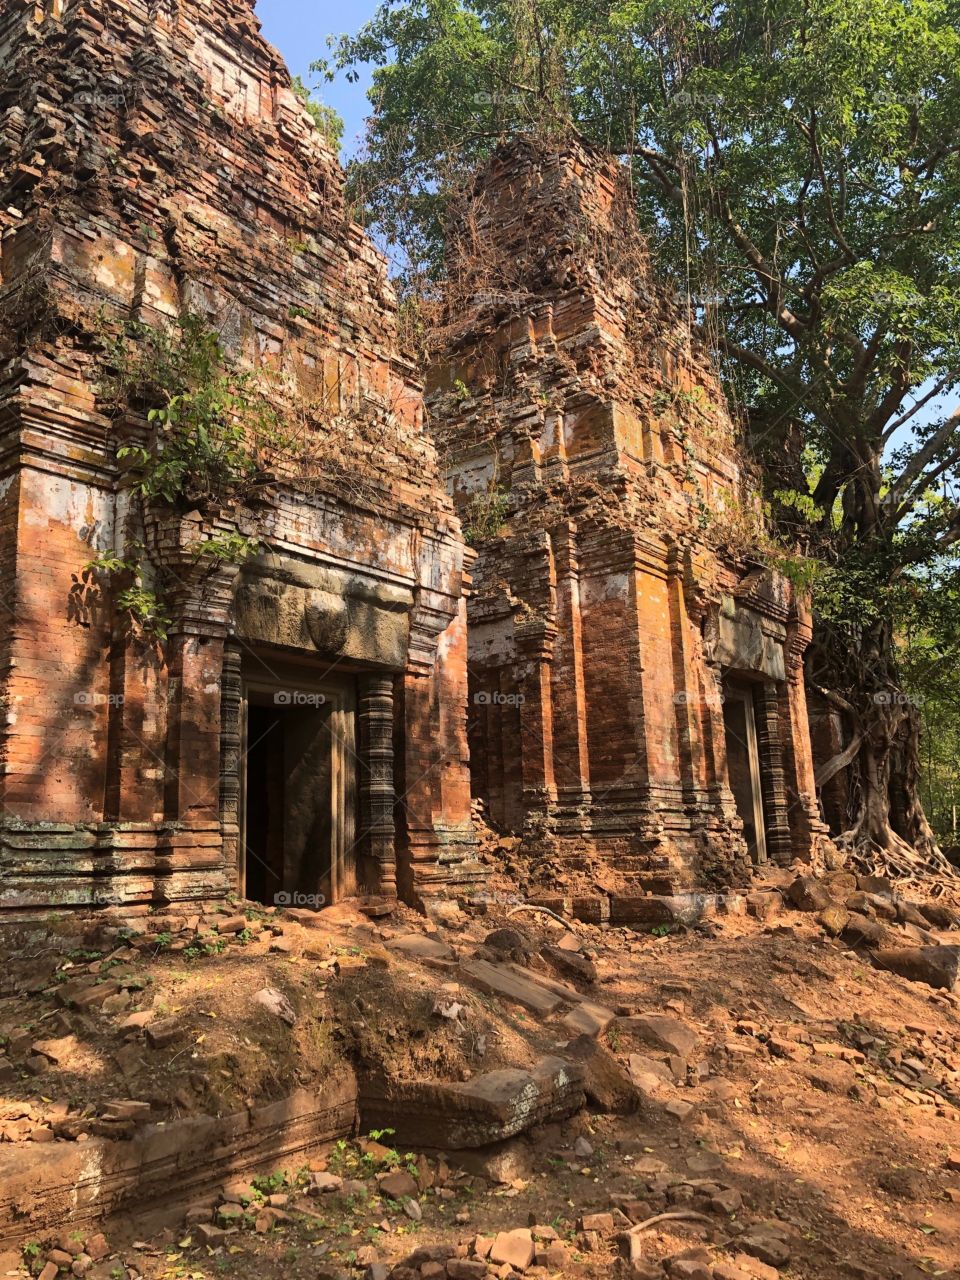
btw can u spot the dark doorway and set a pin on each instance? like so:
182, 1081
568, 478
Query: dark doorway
298, 798
743, 765
264, 804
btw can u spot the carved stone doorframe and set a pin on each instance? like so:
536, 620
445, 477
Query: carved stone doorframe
290, 686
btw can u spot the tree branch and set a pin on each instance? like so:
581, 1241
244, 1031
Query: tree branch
894, 499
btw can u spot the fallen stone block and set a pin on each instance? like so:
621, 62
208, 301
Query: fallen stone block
840, 883
232, 924
660, 1032
399, 1185
876, 884
588, 1019
939, 915
56, 1051
937, 966
764, 905
766, 1244
570, 963
488, 1108
807, 893
605, 1082
429, 951
652, 909
602, 1222
275, 1002
515, 985
833, 919
509, 942
160, 1034
860, 931
501, 1162
516, 1248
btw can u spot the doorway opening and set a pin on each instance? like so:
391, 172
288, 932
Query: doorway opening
743, 765
299, 795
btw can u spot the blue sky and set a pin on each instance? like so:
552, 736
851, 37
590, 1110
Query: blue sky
299, 29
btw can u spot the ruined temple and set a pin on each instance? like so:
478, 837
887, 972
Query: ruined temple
620, 687
299, 729
637, 707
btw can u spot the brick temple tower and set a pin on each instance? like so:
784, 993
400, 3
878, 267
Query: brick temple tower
299, 729
637, 706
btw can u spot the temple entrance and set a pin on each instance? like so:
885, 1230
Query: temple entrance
298, 793
743, 764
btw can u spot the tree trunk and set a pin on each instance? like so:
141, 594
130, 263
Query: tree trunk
886, 830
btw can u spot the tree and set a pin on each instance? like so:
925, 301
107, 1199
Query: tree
326, 120
797, 165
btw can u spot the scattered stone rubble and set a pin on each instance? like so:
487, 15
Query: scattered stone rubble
483, 1001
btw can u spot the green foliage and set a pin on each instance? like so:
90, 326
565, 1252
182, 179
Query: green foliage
801, 502
486, 514
198, 447
214, 430
232, 547
325, 119
269, 1183
214, 438
142, 608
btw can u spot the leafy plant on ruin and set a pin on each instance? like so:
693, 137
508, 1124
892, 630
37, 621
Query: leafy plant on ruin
211, 434
213, 431
140, 607
325, 119
486, 513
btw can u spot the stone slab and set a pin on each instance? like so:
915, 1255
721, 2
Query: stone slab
515, 985
488, 1108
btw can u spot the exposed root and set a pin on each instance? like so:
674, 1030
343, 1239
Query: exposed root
685, 1215
529, 906
898, 860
